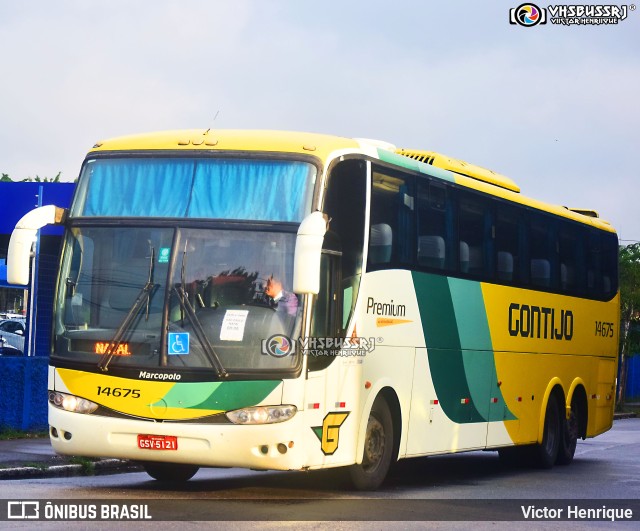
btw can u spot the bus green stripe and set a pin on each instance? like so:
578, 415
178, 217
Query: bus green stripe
443, 347
411, 164
475, 341
459, 348
223, 396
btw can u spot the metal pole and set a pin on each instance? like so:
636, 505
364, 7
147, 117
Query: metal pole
33, 306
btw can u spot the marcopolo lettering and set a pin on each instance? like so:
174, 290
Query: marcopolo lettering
388, 309
159, 376
540, 322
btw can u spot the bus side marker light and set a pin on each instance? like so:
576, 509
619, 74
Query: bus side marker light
464, 401
341, 404
367, 385
314, 406
494, 400
434, 402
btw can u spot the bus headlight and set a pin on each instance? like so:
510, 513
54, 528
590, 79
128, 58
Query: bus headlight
261, 414
72, 403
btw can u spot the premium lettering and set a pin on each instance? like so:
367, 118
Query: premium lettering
388, 309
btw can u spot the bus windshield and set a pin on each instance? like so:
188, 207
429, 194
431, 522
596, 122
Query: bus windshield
202, 188
177, 297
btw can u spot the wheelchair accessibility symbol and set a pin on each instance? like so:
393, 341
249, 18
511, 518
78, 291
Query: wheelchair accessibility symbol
178, 343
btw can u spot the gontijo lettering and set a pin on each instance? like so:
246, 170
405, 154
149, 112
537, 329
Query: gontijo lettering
540, 322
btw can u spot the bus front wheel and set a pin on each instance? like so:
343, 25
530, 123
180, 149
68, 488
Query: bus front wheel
378, 449
172, 472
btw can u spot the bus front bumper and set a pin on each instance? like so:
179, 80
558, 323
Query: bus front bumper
276, 446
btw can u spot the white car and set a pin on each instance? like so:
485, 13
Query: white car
12, 333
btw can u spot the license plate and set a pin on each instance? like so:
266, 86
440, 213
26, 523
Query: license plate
157, 442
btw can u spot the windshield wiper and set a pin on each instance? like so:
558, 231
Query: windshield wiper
144, 297
211, 354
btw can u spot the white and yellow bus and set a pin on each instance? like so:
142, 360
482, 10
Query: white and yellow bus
294, 301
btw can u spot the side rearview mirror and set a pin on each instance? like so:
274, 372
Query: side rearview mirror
23, 238
306, 263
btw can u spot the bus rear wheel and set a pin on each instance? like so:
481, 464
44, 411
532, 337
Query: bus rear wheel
546, 453
569, 438
176, 473
378, 449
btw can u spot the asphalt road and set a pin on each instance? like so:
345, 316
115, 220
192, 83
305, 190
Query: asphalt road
442, 490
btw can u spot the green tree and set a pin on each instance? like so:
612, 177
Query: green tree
37, 179
5, 178
629, 310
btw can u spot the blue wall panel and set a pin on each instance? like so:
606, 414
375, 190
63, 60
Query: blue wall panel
633, 379
23, 393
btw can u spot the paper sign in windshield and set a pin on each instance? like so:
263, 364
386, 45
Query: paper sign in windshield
232, 328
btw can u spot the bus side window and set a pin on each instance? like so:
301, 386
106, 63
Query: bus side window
434, 227
392, 226
544, 267
571, 256
602, 265
474, 236
507, 245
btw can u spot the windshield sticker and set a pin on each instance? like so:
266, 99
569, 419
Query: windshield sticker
232, 328
178, 343
163, 255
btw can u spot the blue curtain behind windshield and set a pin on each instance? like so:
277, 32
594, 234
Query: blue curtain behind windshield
139, 188
220, 188
249, 190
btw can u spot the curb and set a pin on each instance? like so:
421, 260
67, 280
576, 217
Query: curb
618, 416
104, 466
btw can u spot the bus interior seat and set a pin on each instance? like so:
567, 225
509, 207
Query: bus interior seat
380, 244
505, 266
540, 272
431, 251
476, 264
464, 257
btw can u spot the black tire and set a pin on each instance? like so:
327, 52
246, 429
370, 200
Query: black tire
378, 449
546, 453
569, 438
170, 472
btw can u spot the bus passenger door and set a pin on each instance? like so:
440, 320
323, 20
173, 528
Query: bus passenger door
331, 380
